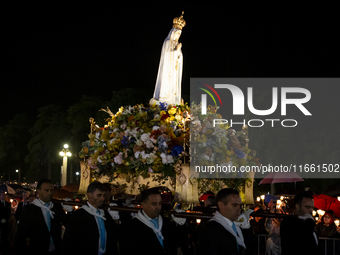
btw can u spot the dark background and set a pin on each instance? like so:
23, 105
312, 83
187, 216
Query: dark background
55, 55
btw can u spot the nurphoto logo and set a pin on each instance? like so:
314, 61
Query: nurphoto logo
239, 104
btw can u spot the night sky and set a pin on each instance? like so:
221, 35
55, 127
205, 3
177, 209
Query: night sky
56, 55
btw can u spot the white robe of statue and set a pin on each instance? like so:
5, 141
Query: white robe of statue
168, 84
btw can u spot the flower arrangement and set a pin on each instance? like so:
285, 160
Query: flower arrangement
138, 140
220, 144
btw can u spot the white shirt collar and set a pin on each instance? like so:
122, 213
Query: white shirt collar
230, 223
94, 209
43, 202
147, 217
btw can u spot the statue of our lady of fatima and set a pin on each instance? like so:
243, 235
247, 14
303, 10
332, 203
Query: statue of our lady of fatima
169, 78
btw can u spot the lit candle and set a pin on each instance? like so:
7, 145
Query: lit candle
258, 199
338, 198
316, 218
314, 213
336, 222
278, 202
11, 200
76, 207
282, 197
198, 221
321, 213
262, 197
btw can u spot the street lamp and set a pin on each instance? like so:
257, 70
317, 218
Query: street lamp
64, 153
18, 171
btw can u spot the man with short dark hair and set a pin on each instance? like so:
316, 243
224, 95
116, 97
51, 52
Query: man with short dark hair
22, 204
151, 233
297, 234
220, 235
210, 202
39, 231
91, 229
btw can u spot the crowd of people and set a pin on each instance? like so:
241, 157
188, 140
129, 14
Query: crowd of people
40, 225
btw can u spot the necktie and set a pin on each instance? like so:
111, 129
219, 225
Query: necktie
235, 230
101, 231
155, 222
48, 222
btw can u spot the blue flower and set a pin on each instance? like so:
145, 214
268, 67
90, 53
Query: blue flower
163, 106
239, 153
125, 141
176, 150
162, 146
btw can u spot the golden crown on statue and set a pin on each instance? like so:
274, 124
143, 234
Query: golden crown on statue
179, 22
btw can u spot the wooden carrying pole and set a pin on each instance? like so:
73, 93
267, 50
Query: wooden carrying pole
194, 215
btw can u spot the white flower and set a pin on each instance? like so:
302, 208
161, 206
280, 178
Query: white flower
149, 144
155, 128
128, 110
145, 137
123, 126
150, 159
98, 135
127, 132
170, 159
144, 155
139, 142
166, 159
119, 158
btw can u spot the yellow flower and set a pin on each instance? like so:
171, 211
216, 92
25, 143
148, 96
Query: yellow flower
163, 113
230, 152
172, 111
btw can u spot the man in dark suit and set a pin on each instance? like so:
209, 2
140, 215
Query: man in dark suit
22, 204
149, 232
91, 230
220, 235
297, 234
5, 213
39, 231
